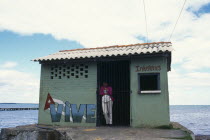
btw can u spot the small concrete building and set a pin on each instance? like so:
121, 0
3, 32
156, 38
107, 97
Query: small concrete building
71, 79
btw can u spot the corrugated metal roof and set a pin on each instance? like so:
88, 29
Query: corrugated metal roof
120, 50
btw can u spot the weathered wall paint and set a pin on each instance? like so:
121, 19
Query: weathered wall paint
71, 111
56, 115
76, 93
90, 113
78, 97
149, 109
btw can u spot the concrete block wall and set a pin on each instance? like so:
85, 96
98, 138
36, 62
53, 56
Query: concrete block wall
81, 90
149, 110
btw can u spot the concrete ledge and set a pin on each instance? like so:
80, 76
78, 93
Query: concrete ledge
33, 132
181, 127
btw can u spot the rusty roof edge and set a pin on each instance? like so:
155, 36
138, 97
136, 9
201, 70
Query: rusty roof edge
114, 46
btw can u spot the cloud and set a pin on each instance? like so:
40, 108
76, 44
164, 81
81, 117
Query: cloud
95, 22
8, 65
189, 88
189, 80
101, 23
18, 86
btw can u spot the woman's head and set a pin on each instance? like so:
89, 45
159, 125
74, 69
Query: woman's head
105, 84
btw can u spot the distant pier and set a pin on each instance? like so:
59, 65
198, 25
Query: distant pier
15, 109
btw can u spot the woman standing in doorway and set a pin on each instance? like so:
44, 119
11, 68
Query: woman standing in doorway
107, 102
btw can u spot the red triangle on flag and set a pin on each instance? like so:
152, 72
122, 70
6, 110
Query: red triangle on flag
49, 101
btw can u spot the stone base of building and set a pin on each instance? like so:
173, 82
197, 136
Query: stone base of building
34, 132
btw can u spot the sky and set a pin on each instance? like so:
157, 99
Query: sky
30, 29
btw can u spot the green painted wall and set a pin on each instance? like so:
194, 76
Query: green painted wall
75, 90
146, 109
149, 109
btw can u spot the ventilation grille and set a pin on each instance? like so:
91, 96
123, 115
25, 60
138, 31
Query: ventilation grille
69, 71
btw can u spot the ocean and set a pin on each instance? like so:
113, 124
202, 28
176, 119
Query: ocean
194, 117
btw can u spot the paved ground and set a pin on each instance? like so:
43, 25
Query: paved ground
91, 133
123, 133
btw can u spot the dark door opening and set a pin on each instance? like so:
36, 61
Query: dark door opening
117, 75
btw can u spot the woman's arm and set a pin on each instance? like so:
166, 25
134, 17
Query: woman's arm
101, 91
110, 90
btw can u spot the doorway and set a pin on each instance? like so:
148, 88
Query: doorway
117, 75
